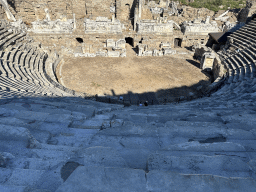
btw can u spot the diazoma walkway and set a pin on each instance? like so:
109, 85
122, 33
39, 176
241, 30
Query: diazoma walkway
53, 140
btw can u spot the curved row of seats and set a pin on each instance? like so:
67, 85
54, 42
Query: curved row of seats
240, 61
22, 67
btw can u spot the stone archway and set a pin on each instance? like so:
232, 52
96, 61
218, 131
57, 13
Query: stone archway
177, 42
130, 41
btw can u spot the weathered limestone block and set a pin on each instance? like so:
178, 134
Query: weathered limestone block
217, 165
110, 43
112, 9
113, 54
56, 26
156, 10
123, 53
140, 51
47, 15
102, 156
91, 55
202, 27
141, 48
4, 158
116, 122
165, 45
121, 43
155, 52
147, 53
104, 179
102, 25
207, 61
20, 134
100, 54
169, 51
78, 49
232, 27
196, 183
160, 53
153, 26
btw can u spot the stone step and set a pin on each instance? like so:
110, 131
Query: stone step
20, 177
101, 156
34, 163
50, 108
34, 180
210, 149
76, 137
123, 179
47, 152
15, 38
19, 86
221, 165
11, 188
19, 134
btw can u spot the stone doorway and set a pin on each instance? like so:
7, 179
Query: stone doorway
253, 16
130, 41
177, 42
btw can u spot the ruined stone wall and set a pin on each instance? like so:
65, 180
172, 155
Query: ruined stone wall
125, 9
153, 41
91, 42
191, 40
32, 10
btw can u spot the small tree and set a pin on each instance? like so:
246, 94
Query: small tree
218, 2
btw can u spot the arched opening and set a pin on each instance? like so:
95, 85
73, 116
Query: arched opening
79, 40
177, 42
129, 40
253, 16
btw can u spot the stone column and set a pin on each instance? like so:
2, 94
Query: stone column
140, 8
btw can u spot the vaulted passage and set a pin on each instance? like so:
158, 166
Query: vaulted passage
177, 42
130, 41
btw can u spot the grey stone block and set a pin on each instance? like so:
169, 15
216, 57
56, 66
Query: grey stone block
8, 188
20, 134
200, 164
102, 156
24, 177
104, 179
159, 181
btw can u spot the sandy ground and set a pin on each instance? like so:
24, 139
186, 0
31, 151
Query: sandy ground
169, 77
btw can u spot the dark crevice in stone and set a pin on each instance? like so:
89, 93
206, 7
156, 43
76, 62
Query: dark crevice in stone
211, 140
68, 169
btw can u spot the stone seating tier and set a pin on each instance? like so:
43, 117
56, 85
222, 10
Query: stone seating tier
128, 144
243, 40
247, 69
